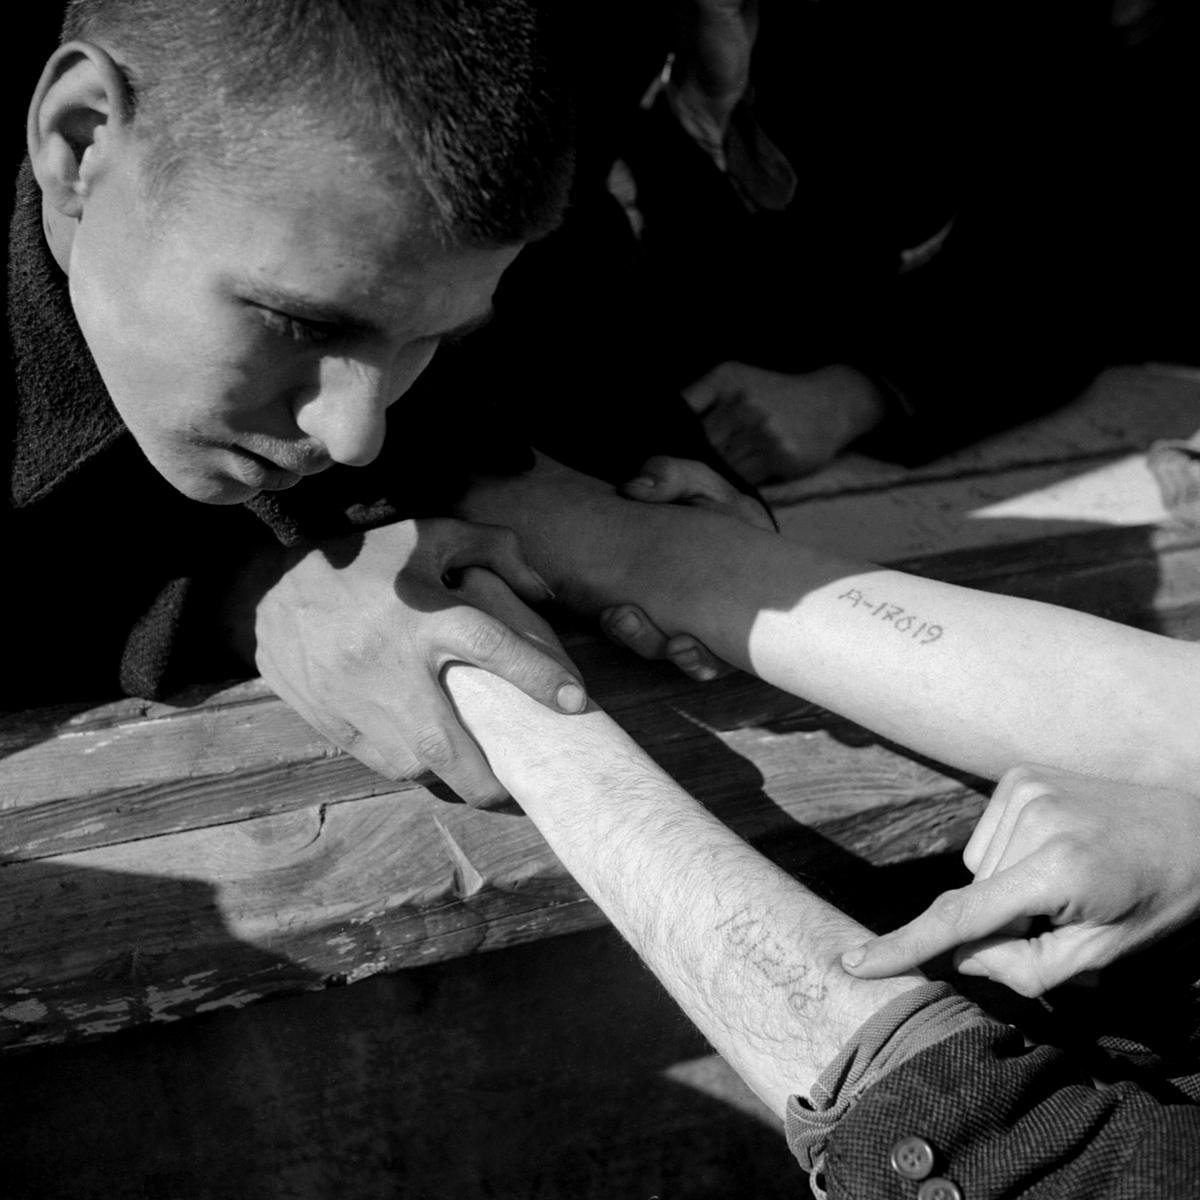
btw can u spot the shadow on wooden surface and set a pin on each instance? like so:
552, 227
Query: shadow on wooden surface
555, 1071
179, 860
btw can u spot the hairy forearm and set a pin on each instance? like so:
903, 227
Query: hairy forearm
748, 953
977, 681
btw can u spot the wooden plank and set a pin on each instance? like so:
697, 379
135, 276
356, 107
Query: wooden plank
163, 860
1078, 469
158, 928
228, 909
943, 515
1124, 411
69, 784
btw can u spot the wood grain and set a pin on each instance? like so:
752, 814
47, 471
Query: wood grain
160, 860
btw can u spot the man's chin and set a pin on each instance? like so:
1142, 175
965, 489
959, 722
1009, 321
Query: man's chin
210, 489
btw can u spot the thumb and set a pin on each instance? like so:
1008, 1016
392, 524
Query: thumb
702, 394
667, 480
954, 919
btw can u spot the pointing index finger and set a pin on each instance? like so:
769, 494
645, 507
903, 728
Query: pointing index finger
956, 918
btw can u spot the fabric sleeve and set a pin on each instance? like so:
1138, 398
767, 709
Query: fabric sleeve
1000, 1118
902, 1029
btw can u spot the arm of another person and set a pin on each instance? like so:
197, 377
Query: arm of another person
981, 682
1065, 882
354, 633
750, 955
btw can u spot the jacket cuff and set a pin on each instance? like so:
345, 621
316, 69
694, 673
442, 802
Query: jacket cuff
905, 1027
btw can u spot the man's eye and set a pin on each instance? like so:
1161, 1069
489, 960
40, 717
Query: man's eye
312, 333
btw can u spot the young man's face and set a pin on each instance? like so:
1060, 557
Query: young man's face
256, 332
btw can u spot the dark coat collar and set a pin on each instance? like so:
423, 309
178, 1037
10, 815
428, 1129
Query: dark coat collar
62, 415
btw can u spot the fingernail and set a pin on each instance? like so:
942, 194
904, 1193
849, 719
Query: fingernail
853, 958
543, 584
571, 698
627, 624
645, 482
689, 660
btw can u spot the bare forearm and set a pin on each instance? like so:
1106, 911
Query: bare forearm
981, 681
975, 680
978, 681
749, 954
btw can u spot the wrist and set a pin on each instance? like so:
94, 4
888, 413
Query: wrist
863, 402
237, 617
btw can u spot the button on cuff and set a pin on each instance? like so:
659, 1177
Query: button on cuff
912, 1157
936, 1188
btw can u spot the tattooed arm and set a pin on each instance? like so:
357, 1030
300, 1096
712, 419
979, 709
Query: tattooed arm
748, 953
978, 681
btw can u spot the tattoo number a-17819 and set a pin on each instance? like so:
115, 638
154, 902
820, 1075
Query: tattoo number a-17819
900, 619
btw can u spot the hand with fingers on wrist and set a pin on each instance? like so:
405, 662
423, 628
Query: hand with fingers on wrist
666, 480
597, 544
355, 636
1071, 873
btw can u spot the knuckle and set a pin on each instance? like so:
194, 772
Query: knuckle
359, 651
482, 637
950, 908
483, 795
1066, 857
433, 748
1039, 815
1025, 784
1019, 776
348, 737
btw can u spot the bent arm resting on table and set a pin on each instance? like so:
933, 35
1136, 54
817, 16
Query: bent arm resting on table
979, 681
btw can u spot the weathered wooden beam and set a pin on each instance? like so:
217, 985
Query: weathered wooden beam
163, 860
165, 926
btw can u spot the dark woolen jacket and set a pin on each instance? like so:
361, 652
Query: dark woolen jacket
1008, 1120
114, 579
1092, 1093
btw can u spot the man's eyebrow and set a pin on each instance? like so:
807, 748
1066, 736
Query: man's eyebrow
317, 312
305, 308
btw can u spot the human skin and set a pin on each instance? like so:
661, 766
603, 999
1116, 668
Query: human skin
977, 681
1109, 868
1102, 841
252, 327
711, 67
773, 426
750, 955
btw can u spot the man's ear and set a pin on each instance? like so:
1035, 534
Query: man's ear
80, 113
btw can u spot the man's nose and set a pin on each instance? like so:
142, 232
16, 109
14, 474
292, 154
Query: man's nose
347, 412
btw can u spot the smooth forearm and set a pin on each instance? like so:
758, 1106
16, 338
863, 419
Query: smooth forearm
978, 681
749, 954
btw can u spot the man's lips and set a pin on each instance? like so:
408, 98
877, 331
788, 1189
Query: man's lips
274, 475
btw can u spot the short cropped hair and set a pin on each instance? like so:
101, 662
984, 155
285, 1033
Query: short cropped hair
465, 96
